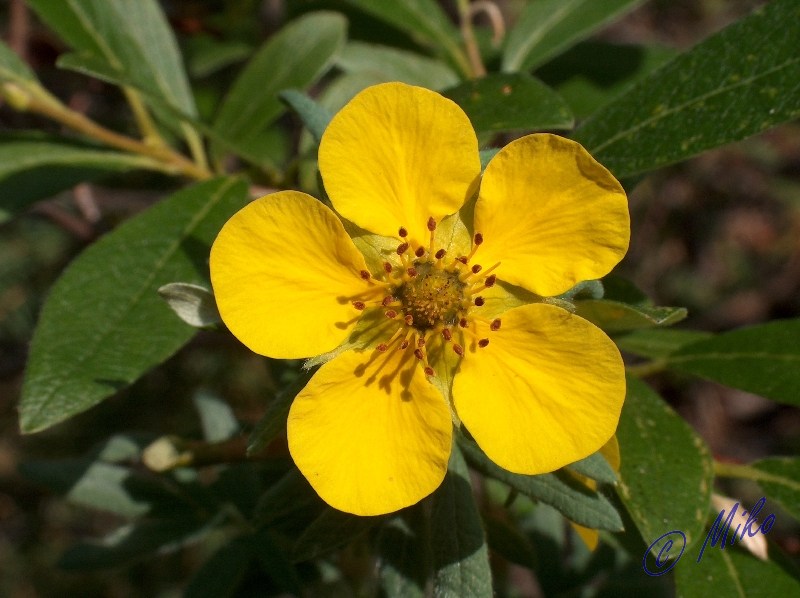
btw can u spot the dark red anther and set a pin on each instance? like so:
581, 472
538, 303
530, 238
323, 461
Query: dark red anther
479, 301
483, 342
418, 354
463, 322
412, 271
490, 280
478, 239
387, 300
421, 342
476, 268
404, 344
495, 325
420, 251
382, 347
391, 314
402, 248
440, 254
409, 320
431, 224
402, 232
387, 267
459, 350
428, 371
446, 334
462, 259
365, 275
359, 305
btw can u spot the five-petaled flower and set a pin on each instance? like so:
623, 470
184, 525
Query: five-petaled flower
432, 309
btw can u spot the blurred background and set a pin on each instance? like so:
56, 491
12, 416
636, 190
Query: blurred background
718, 234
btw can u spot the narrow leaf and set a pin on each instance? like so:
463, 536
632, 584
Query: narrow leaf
331, 530
396, 65
614, 316
666, 473
571, 498
655, 343
779, 478
293, 58
762, 359
728, 87
403, 550
103, 324
222, 574
547, 27
506, 102
12, 68
34, 167
314, 116
458, 544
595, 467
274, 420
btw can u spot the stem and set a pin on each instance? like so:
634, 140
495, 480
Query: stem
648, 368
746, 472
495, 17
195, 144
470, 44
40, 101
146, 125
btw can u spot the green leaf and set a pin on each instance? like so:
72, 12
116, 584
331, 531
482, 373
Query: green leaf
403, 550
595, 467
34, 167
396, 65
331, 530
559, 490
274, 420
222, 574
103, 486
547, 27
103, 324
507, 102
12, 68
779, 478
216, 416
131, 543
656, 343
726, 88
666, 474
314, 116
131, 37
458, 544
192, 303
294, 58
615, 316
507, 541
731, 573
762, 359
425, 22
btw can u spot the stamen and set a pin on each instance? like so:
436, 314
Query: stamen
391, 314
458, 349
402, 248
420, 251
479, 301
403, 233
490, 280
421, 341
429, 371
418, 354
463, 322
365, 275
478, 239
431, 224
387, 267
446, 334
359, 305
483, 342
476, 242
382, 347
432, 229
440, 254
463, 259
388, 300
495, 325
409, 320
476, 268
412, 271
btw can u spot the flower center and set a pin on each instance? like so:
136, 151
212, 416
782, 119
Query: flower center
433, 297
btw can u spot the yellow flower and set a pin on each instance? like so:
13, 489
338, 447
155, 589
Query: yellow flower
431, 308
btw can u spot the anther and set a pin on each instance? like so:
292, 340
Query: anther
490, 280
409, 320
446, 334
382, 347
495, 325
420, 251
463, 322
428, 371
463, 259
458, 349
440, 254
387, 300
391, 314
404, 344
478, 239
402, 248
476, 268
419, 354
421, 341
402, 232
365, 275
483, 342
359, 305
431, 224
479, 301
387, 267
412, 272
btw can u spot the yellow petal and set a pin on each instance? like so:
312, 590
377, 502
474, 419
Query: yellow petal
546, 391
370, 433
397, 155
551, 215
284, 274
